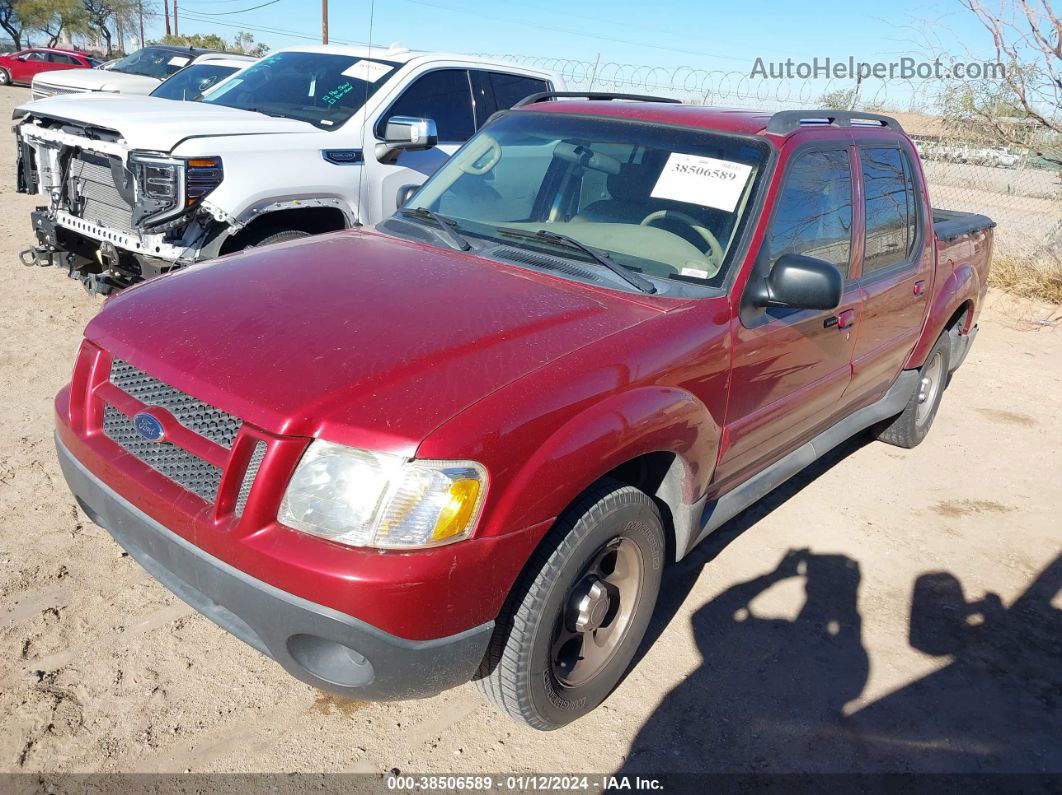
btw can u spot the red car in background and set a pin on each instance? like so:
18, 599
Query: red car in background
20, 67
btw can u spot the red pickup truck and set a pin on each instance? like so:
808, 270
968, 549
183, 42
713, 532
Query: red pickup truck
462, 445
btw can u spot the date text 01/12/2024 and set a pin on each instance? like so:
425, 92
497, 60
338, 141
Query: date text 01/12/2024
522, 783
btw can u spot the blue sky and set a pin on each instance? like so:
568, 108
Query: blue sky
705, 35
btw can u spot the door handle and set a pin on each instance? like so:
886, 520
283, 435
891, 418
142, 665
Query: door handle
843, 320
920, 287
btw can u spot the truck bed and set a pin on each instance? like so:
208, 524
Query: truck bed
950, 225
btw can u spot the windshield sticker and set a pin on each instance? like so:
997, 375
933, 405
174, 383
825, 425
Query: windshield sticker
702, 180
179, 60
369, 71
337, 93
697, 273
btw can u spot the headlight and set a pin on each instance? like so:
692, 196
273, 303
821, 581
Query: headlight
167, 186
360, 498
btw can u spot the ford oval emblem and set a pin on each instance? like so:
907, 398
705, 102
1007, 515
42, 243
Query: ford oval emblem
149, 427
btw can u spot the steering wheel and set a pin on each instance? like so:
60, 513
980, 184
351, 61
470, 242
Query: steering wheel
488, 148
706, 233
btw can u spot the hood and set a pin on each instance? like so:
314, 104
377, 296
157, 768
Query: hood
98, 80
159, 124
354, 336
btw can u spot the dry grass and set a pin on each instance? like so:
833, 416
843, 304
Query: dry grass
1031, 278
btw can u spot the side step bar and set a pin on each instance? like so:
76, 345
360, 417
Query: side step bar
738, 499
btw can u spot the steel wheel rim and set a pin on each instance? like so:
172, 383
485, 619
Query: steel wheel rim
929, 388
597, 612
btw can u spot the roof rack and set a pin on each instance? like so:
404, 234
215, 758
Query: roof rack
785, 121
542, 96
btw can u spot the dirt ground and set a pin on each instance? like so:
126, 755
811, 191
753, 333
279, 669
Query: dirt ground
853, 654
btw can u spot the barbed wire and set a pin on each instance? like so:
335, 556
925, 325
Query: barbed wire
717, 86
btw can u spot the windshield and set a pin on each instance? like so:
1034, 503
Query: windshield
667, 202
319, 88
156, 62
192, 81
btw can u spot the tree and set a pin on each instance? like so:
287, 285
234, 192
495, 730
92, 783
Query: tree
1027, 39
242, 42
53, 17
11, 21
101, 14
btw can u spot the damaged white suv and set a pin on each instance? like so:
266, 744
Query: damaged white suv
306, 140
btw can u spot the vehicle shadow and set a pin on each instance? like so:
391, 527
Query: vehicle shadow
770, 693
679, 578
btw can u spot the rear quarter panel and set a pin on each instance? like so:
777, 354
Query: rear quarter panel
961, 281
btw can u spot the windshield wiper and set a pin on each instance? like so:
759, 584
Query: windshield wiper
634, 279
446, 230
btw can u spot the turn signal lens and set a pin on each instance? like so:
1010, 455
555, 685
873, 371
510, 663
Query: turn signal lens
203, 163
460, 504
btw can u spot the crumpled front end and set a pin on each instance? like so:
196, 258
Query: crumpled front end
113, 216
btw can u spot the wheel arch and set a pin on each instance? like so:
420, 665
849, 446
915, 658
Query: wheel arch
954, 299
662, 440
314, 218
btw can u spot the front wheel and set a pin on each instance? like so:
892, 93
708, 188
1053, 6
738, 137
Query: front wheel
577, 615
267, 237
5, 77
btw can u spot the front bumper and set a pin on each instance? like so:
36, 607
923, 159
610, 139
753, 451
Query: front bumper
314, 643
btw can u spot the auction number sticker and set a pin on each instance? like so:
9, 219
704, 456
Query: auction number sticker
702, 180
369, 71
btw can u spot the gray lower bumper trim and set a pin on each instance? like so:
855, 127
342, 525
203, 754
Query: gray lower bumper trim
316, 644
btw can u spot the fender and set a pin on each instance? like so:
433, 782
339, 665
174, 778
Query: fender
605, 435
963, 285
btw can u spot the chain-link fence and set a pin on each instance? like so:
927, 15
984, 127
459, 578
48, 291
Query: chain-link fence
966, 170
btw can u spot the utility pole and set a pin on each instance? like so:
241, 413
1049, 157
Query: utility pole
166, 9
324, 21
140, 9
176, 25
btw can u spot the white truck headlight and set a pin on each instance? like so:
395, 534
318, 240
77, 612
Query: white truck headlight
366, 499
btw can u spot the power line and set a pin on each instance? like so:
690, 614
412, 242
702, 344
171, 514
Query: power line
241, 11
554, 29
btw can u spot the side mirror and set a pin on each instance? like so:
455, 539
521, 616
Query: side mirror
801, 283
407, 132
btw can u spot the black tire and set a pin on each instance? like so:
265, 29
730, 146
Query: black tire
267, 237
520, 673
5, 77
910, 426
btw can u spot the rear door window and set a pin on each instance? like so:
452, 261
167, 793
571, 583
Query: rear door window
891, 218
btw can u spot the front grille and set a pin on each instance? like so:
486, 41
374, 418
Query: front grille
180, 466
101, 202
249, 475
195, 415
42, 90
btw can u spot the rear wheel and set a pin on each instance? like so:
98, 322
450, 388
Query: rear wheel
575, 619
5, 77
910, 426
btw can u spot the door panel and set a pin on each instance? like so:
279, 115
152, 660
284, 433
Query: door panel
443, 95
791, 368
898, 257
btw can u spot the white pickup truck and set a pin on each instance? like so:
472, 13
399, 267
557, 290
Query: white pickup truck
139, 72
306, 140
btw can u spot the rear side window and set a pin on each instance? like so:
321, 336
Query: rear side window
443, 96
890, 209
813, 214
510, 89
56, 57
